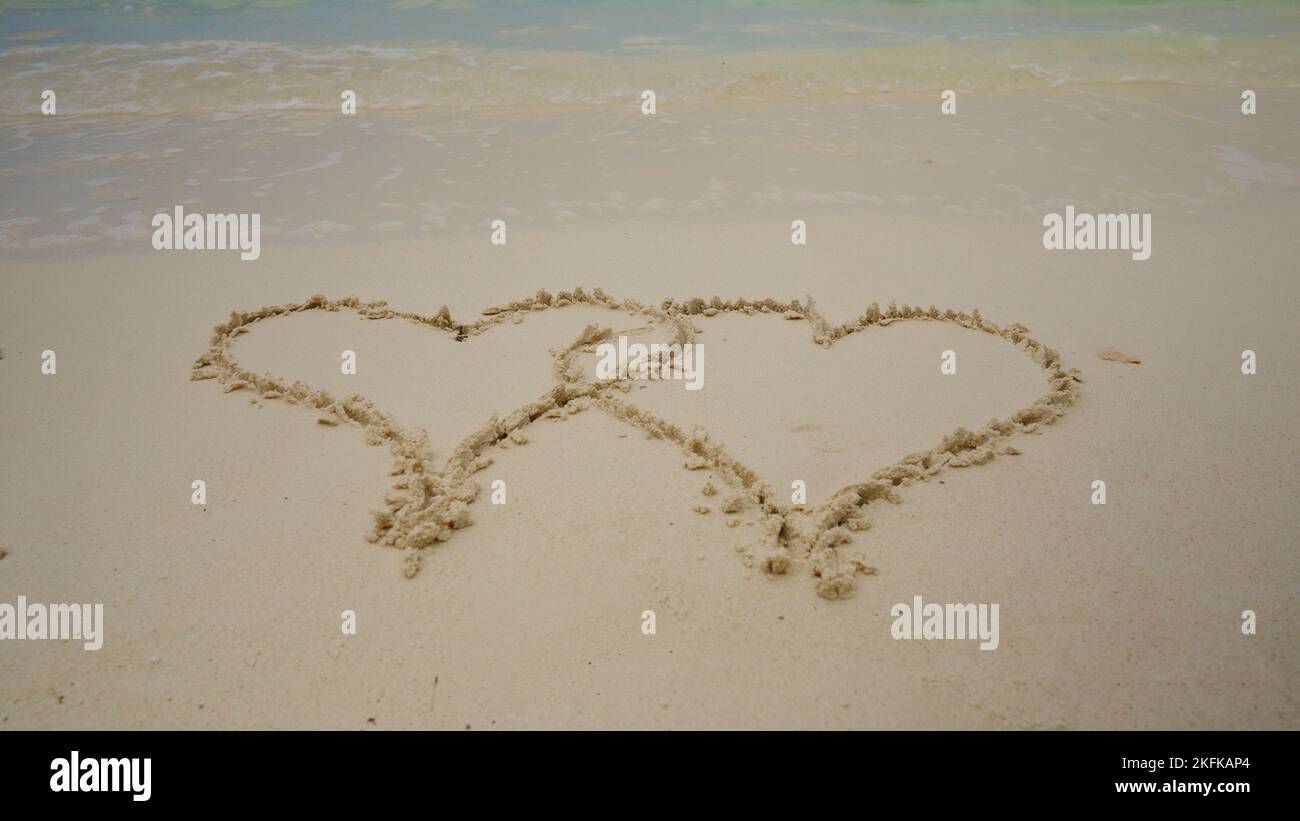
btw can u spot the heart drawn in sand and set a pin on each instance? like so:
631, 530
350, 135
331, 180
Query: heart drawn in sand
430, 500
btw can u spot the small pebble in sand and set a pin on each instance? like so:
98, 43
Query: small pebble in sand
1113, 355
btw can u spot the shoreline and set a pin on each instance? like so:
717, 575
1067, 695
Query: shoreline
1011, 365
1001, 155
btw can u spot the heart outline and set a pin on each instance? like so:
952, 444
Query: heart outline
434, 503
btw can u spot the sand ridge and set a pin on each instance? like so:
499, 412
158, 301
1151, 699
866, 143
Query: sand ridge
428, 503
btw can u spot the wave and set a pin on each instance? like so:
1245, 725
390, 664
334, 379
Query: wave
207, 77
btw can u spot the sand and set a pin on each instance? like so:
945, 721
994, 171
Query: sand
529, 614
431, 502
1112, 355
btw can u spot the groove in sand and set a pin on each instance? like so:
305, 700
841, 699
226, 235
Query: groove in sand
429, 503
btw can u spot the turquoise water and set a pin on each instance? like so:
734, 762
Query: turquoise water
205, 57
619, 25
471, 109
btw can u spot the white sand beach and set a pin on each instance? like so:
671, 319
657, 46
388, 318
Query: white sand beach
530, 614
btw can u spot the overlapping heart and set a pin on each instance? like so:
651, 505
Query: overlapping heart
430, 502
